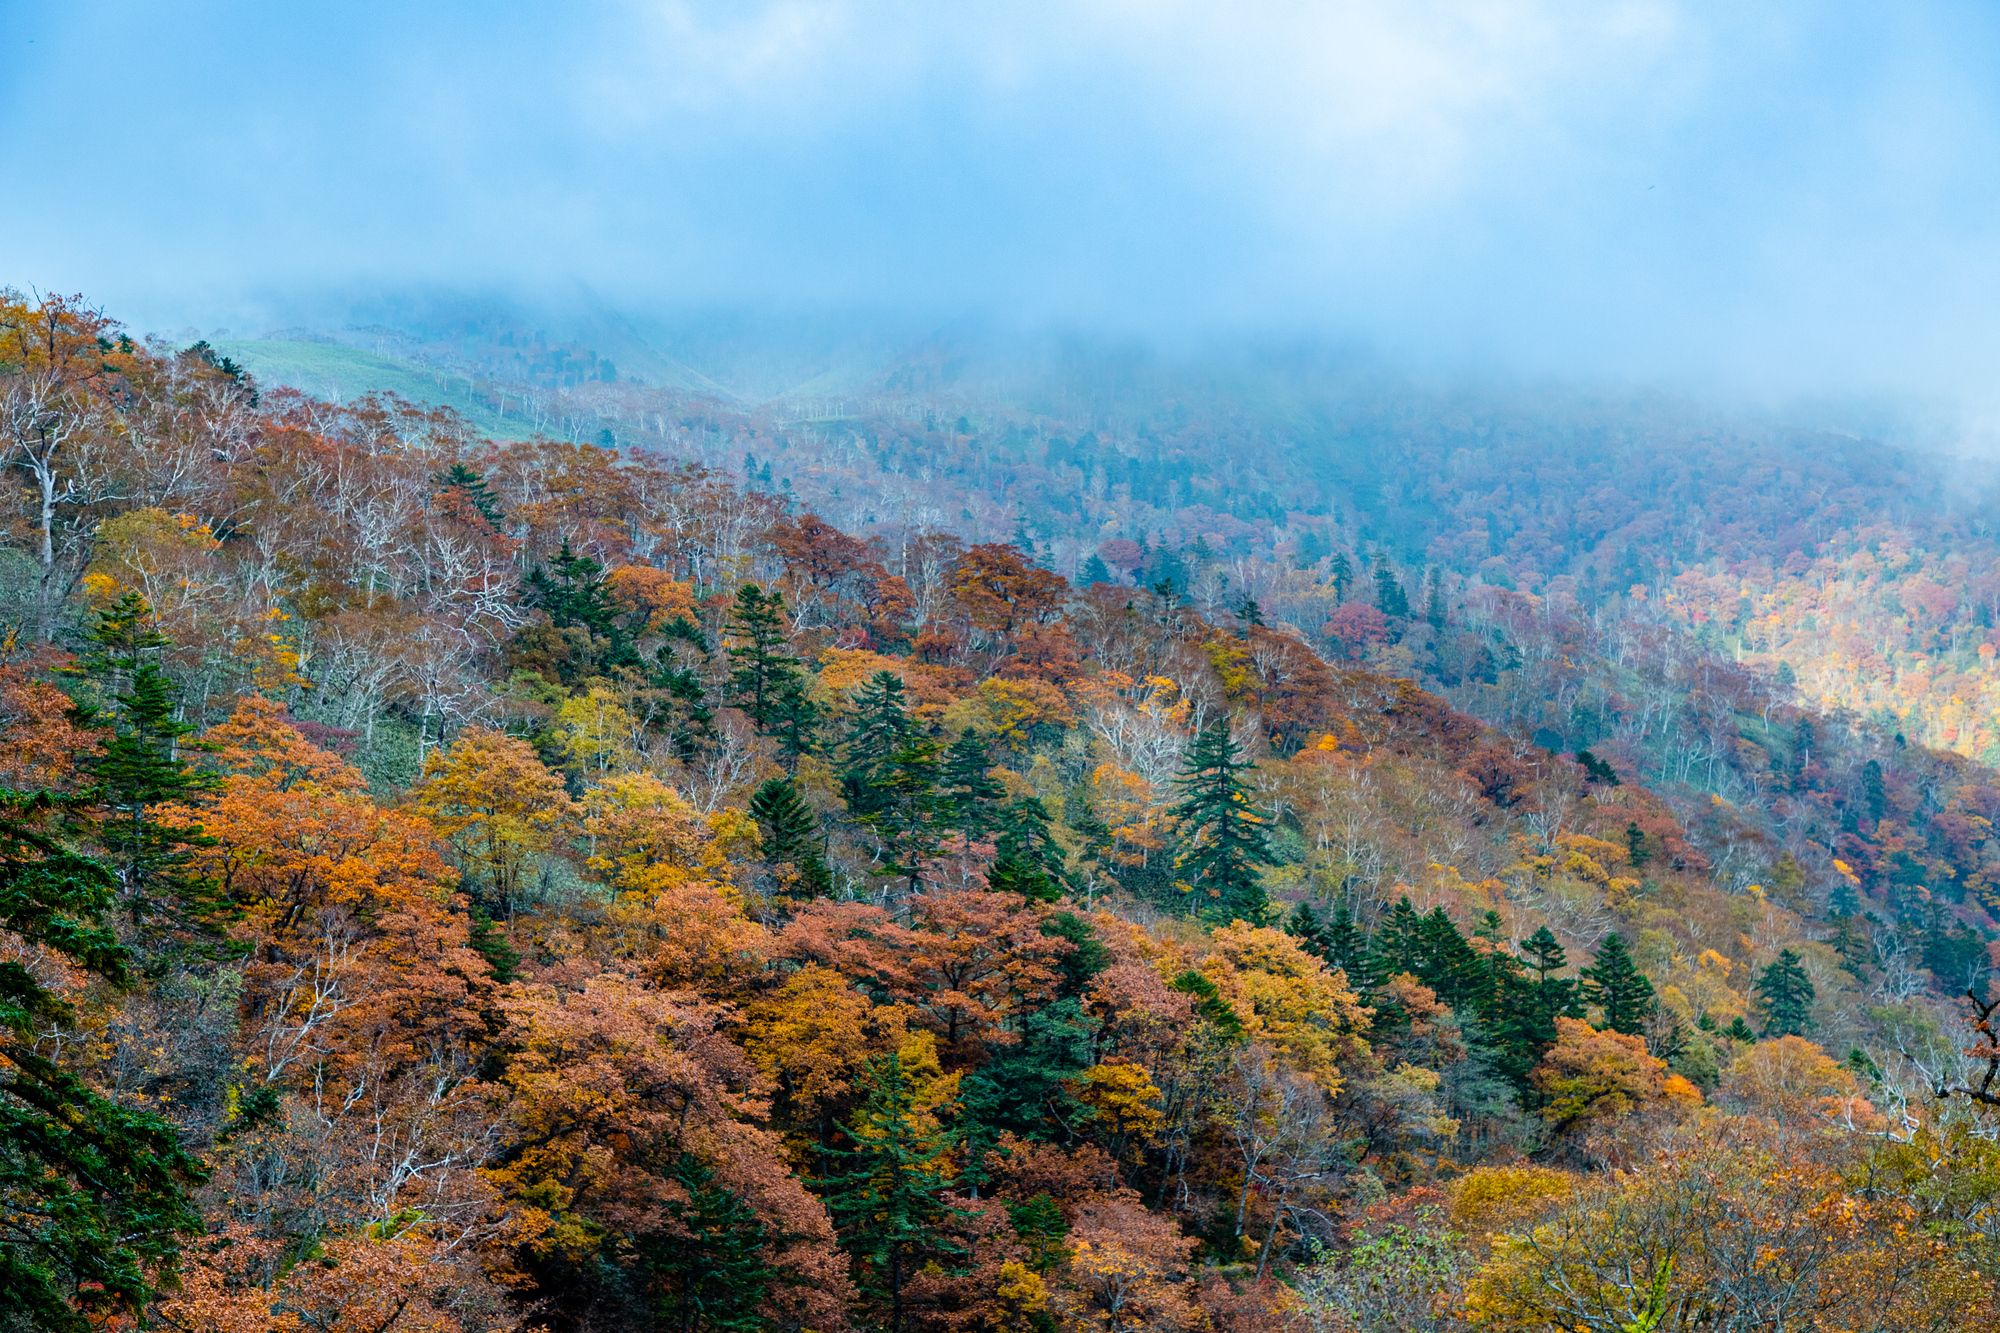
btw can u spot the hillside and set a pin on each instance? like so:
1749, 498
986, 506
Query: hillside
699, 873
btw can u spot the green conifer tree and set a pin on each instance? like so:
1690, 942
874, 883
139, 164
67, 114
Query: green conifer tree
1616, 986
795, 720
1348, 949
763, 665
1340, 573
142, 765
93, 1195
1225, 841
1094, 571
1390, 598
878, 727
1787, 994
710, 1271
1434, 598
1398, 944
972, 797
791, 836
1305, 926
889, 1204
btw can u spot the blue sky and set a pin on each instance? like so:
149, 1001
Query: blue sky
1800, 195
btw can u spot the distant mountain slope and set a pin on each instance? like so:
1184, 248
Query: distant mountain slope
341, 374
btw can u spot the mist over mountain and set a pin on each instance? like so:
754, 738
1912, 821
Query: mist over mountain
850, 667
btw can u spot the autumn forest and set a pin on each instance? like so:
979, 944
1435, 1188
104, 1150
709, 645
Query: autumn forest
1039, 851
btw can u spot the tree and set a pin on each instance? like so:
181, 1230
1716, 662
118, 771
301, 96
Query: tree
791, 837
498, 806
1787, 994
763, 667
1389, 594
966, 785
889, 1205
93, 1196
1616, 986
1094, 571
1030, 861
879, 727
1225, 841
1434, 598
1340, 573
140, 767
708, 1264
1525, 1026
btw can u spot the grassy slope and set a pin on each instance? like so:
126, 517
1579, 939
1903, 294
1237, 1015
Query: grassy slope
344, 373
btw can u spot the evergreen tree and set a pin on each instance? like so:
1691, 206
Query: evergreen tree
142, 766
1030, 861
1347, 949
791, 835
763, 666
903, 811
1094, 571
572, 591
1738, 1030
93, 1196
1872, 793
1225, 840
1398, 944
693, 725
1340, 573
1434, 598
1635, 845
709, 1272
491, 943
1305, 926
1787, 995
1249, 612
1615, 985
1082, 963
1524, 1023
878, 727
971, 795
1448, 964
1389, 595
473, 489
795, 722
889, 1205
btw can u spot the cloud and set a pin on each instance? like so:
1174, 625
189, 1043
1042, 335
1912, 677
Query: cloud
1794, 191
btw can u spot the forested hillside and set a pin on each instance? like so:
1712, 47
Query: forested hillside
702, 873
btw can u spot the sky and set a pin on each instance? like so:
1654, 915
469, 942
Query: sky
1804, 196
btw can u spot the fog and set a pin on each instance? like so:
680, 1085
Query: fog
1773, 199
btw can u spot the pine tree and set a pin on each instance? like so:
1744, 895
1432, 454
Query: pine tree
1787, 994
1347, 949
1094, 571
1225, 839
571, 589
967, 787
141, 766
1341, 574
1389, 595
94, 1194
795, 720
1434, 598
791, 836
709, 1272
1448, 964
889, 1206
903, 811
1615, 985
763, 667
1030, 861
878, 727
1525, 1024
1305, 926
1398, 944
473, 489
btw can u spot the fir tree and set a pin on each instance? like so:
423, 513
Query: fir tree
572, 591
1616, 986
1525, 1024
710, 1271
1347, 949
965, 783
1340, 573
1873, 794
1094, 571
889, 1205
762, 666
791, 835
877, 728
1225, 839
472, 487
1787, 995
903, 811
1249, 612
141, 766
1635, 845
1398, 945
1305, 926
490, 942
94, 1195
1389, 595
1448, 964
1434, 598
1738, 1030
1029, 861
795, 720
